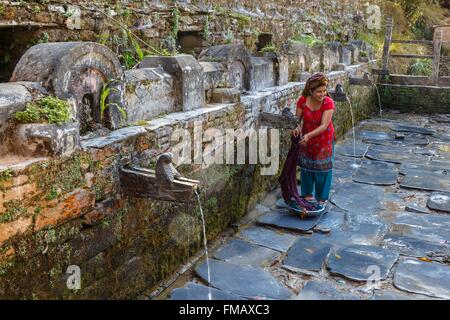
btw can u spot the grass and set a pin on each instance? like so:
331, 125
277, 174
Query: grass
307, 39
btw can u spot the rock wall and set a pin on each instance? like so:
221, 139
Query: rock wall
419, 99
196, 25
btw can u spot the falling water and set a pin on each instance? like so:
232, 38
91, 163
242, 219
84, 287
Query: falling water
205, 243
354, 135
379, 100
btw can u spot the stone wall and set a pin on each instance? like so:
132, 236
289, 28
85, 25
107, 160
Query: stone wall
419, 99
69, 211
208, 23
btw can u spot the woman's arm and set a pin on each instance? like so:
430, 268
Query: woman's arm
326, 119
297, 131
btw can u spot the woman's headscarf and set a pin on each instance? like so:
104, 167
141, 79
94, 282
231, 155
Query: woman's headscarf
318, 79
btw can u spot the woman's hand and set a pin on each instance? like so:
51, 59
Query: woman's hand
296, 132
305, 139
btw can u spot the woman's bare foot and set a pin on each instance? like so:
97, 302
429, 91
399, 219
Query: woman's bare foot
309, 198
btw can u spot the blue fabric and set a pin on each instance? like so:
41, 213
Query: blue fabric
315, 183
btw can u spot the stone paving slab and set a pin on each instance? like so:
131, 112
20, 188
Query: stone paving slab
411, 246
244, 281
371, 135
321, 290
365, 233
394, 154
376, 173
432, 228
413, 129
195, 291
432, 279
243, 253
349, 149
411, 168
268, 238
439, 201
357, 197
356, 262
390, 295
425, 180
289, 221
346, 163
307, 253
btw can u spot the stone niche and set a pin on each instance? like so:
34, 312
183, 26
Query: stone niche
236, 63
187, 75
75, 71
145, 93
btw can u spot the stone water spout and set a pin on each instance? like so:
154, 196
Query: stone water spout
364, 81
163, 183
285, 120
338, 94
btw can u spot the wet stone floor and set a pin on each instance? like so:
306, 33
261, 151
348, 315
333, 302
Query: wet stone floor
386, 234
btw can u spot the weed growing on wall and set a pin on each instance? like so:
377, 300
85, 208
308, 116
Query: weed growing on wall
45, 110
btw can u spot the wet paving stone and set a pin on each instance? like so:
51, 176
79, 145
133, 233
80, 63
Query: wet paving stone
413, 129
432, 228
195, 291
321, 290
391, 295
365, 233
289, 221
346, 163
243, 253
432, 279
439, 201
411, 168
349, 149
268, 238
411, 246
244, 281
357, 197
371, 135
414, 207
425, 180
357, 262
376, 173
307, 253
394, 154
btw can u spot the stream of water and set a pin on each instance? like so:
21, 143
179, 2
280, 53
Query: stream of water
205, 243
354, 134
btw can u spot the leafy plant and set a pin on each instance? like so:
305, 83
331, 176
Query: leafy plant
69, 13
46, 110
307, 39
2, 9
206, 33
44, 38
106, 90
421, 67
228, 36
36, 9
270, 47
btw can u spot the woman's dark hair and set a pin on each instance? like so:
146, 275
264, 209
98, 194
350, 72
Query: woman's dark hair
315, 81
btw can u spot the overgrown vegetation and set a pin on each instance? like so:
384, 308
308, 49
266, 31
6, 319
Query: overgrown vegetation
270, 47
306, 39
46, 110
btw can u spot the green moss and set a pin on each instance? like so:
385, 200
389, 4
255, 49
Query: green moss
270, 47
14, 209
52, 194
2, 8
45, 110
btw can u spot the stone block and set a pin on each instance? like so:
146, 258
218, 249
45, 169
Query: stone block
263, 73
147, 93
72, 206
39, 139
226, 95
236, 60
188, 76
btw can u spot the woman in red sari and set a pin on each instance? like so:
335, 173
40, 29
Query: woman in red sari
316, 152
